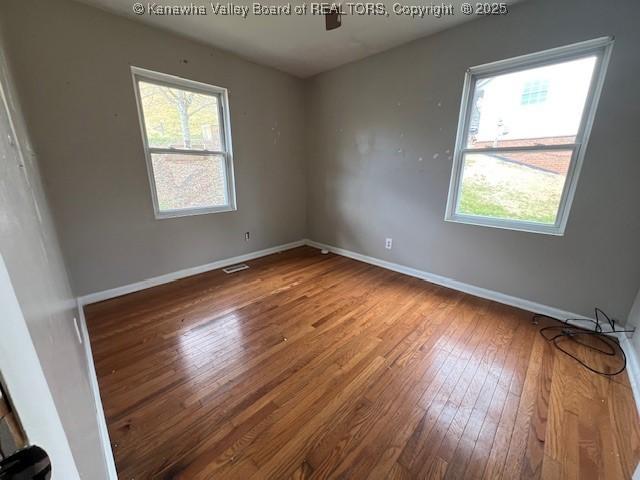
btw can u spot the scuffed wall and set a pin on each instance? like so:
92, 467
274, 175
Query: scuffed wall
381, 135
72, 66
30, 249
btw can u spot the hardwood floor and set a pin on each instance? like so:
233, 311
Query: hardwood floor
318, 366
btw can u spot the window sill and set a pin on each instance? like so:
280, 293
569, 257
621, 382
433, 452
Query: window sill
529, 227
193, 211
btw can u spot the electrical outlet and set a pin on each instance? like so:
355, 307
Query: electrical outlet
246, 236
388, 243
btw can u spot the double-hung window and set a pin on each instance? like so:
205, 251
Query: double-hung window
187, 143
522, 134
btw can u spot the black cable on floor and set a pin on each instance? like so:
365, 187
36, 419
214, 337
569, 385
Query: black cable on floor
609, 345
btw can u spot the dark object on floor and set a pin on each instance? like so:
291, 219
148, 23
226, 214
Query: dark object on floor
598, 340
31, 463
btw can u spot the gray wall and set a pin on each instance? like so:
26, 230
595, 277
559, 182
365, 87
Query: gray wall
369, 122
29, 246
72, 68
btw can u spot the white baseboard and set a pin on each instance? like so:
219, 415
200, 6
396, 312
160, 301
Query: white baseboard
633, 367
428, 276
110, 463
451, 283
187, 272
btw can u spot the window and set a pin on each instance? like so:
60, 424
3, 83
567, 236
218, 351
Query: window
523, 129
187, 143
534, 92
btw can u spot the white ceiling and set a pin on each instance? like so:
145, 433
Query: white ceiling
295, 44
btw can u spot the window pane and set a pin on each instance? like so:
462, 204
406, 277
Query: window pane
538, 106
524, 186
189, 181
176, 118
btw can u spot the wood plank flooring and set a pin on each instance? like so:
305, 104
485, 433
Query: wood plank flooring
319, 366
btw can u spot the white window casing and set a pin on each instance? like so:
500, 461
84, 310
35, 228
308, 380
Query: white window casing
599, 48
225, 151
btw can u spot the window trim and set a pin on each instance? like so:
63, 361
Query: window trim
221, 93
601, 48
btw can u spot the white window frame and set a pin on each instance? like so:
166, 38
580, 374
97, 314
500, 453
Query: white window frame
601, 48
140, 74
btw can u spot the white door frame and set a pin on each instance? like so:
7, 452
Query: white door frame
27, 385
